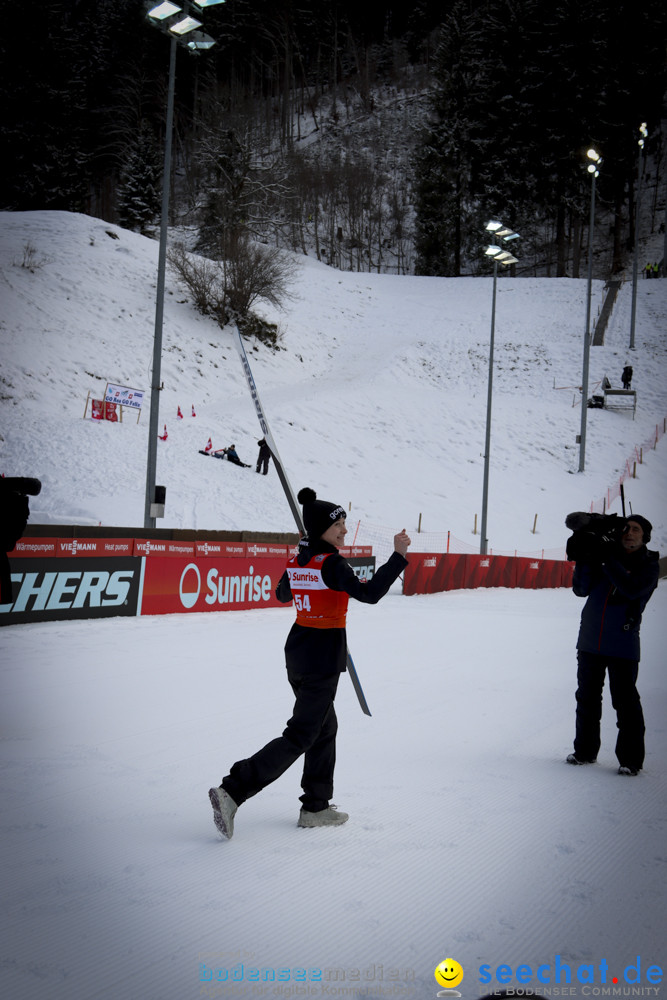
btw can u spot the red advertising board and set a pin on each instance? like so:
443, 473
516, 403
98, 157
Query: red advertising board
532, 573
68, 548
34, 548
430, 573
212, 584
57, 578
490, 571
266, 549
220, 550
89, 547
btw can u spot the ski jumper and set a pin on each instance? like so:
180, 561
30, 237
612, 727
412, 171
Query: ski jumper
320, 582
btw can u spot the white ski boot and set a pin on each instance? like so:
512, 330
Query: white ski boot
224, 810
326, 817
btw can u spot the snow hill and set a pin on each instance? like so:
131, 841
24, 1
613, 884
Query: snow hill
377, 398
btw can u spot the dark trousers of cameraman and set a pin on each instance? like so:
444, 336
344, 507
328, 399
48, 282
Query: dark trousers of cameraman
624, 698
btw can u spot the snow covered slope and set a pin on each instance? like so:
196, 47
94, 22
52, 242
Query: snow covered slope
377, 399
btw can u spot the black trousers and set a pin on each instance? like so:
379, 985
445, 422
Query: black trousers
310, 732
262, 465
624, 698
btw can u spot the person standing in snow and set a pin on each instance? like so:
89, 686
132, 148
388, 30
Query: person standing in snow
263, 457
14, 514
626, 377
618, 579
320, 582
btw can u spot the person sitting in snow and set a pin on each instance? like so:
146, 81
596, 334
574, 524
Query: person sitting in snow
232, 456
320, 582
618, 578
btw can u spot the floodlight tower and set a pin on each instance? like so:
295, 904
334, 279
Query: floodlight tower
504, 257
643, 133
180, 23
593, 170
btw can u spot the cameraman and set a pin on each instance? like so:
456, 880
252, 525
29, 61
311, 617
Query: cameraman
618, 578
14, 514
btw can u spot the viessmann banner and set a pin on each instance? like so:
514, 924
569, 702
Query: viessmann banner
56, 578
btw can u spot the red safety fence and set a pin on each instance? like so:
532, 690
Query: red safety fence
629, 470
431, 573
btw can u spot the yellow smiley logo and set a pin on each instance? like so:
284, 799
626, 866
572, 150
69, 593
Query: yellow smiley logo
449, 973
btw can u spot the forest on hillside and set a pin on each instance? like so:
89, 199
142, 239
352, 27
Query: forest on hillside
374, 136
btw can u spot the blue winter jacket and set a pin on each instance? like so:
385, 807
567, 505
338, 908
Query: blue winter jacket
618, 589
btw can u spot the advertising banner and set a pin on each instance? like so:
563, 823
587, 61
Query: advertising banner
433, 572
90, 547
62, 588
177, 586
166, 547
490, 571
174, 585
62, 578
32, 548
539, 573
124, 396
220, 550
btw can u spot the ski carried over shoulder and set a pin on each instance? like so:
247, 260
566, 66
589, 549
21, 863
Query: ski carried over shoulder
289, 492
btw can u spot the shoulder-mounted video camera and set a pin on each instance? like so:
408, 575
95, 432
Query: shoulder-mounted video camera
590, 532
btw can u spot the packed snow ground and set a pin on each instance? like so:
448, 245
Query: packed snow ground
468, 835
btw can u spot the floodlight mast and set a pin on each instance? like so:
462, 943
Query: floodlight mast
499, 256
593, 170
643, 134
167, 16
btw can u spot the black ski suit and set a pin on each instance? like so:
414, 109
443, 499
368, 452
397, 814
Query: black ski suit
315, 659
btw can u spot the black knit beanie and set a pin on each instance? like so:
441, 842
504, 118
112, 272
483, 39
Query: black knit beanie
318, 515
644, 524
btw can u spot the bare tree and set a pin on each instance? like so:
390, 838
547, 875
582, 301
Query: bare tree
227, 289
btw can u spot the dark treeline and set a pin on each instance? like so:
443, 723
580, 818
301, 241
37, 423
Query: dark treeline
522, 89
377, 136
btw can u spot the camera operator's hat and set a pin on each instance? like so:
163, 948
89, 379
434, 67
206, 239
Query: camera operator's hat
644, 524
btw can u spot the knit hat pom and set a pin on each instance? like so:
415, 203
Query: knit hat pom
306, 495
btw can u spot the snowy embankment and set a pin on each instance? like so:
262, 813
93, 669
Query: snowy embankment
377, 399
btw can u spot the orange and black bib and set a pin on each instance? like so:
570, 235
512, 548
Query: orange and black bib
316, 605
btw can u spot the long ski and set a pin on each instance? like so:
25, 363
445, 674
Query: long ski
289, 492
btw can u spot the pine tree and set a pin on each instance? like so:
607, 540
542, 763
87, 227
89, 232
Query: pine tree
138, 195
443, 161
